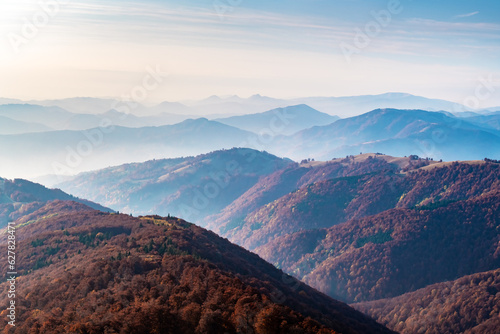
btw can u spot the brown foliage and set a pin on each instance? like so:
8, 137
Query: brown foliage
396, 251
470, 304
92, 272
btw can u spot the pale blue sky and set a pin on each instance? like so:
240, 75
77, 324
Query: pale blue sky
279, 48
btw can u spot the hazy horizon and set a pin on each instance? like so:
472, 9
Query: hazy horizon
229, 96
61, 49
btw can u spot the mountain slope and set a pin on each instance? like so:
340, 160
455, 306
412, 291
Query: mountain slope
320, 205
285, 181
467, 305
396, 251
20, 197
281, 121
371, 188
88, 271
192, 187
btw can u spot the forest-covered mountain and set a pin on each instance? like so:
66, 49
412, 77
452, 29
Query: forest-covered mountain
85, 271
336, 200
356, 228
394, 252
243, 213
21, 197
407, 200
295, 176
360, 228
467, 305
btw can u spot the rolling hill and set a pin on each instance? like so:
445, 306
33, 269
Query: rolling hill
362, 189
394, 132
346, 106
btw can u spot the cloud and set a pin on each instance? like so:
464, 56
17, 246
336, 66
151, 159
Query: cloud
465, 15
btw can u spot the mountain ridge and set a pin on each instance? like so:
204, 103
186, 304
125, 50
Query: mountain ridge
159, 274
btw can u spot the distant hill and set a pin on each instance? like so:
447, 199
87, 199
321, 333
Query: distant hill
394, 132
9, 126
70, 152
80, 105
281, 121
466, 305
174, 108
20, 197
192, 187
492, 121
51, 117
88, 271
348, 106
56, 118
397, 133
235, 105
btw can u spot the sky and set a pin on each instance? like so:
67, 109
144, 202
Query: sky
295, 48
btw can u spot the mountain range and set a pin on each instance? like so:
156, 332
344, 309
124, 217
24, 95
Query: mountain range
70, 152
49, 118
395, 132
192, 187
360, 229
407, 234
280, 121
346, 106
